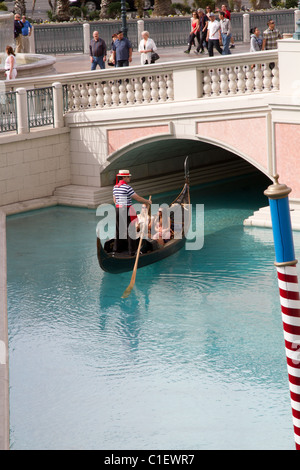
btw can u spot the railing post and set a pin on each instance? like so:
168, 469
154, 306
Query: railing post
140, 29
22, 111
86, 38
58, 105
246, 27
31, 42
187, 84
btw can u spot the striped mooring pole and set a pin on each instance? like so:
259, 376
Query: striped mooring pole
288, 291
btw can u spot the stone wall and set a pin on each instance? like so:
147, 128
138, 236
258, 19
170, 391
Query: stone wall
33, 165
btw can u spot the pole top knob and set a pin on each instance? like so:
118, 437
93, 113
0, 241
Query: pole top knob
277, 190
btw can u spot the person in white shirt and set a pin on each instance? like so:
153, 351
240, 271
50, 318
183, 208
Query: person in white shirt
213, 35
146, 47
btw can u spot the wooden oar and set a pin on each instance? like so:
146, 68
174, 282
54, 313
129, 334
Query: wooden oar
132, 282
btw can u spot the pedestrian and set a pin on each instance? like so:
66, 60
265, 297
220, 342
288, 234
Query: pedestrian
203, 22
270, 36
225, 24
228, 16
123, 194
111, 54
26, 33
10, 64
97, 51
213, 35
194, 32
255, 40
146, 47
122, 49
18, 25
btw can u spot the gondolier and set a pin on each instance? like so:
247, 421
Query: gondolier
123, 194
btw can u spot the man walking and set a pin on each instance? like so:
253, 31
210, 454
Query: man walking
26, 33
213, 35
225, 32
270, 37
122, 50
97, 51
18, 25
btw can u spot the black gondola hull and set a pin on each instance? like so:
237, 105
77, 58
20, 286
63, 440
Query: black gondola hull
117, 264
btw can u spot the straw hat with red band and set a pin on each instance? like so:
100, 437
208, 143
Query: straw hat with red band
124, 173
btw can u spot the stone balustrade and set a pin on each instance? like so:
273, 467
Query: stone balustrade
206, 78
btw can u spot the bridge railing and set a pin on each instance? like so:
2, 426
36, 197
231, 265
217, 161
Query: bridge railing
229, 76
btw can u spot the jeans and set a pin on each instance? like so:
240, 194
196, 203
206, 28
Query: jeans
98, 61
226, 43
214, 43
122, 63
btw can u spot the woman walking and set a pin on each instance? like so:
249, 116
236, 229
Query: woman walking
146, 47
194, 32
10, 64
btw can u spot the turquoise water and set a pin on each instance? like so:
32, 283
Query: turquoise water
193, 359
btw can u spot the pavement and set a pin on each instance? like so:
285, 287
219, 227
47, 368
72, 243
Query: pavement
67, 63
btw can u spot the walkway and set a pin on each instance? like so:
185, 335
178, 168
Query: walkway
81, 62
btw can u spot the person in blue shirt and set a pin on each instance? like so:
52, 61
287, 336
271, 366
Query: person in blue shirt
122, 50
26, 33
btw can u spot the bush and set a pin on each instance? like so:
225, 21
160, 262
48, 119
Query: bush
75, 12
3, 7
291, 3
94, 15
114, 9
181, 7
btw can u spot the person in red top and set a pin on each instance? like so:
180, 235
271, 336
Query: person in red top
125, 213
194, 32
228, 15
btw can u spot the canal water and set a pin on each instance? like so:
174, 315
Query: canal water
193, 359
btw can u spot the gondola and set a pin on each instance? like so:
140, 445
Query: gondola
151, 251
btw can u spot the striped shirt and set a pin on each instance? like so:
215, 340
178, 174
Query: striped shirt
271, 37
123, 195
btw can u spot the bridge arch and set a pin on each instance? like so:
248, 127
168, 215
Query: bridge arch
162, 154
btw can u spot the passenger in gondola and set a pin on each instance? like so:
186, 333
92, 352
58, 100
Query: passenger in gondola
123, 194
162, 227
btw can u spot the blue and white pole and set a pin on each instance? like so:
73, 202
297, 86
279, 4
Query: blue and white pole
288, 291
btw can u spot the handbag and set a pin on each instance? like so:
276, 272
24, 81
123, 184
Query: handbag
110, 60
154, 56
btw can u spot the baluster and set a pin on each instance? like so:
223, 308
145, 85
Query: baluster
224, 81
130, 92
76, 97
115, 93
99, 95
275, 78
206, 83
84, 96
258, 81
170, 88
146, 90
249, 79
70, 89
138, 90
92, 95
241, 84
154, 89
123, 94
215, 87
267, 77
162, 88
232, 81
107, 94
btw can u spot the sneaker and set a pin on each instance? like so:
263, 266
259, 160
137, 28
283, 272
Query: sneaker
232, 46
186, 52
196, 52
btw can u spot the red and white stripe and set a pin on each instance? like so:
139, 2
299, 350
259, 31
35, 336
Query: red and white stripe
290, 309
